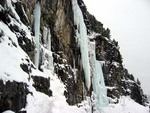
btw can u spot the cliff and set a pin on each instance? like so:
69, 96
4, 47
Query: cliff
60, 56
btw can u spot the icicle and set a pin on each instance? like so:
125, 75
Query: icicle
50, 60
74, 71
37, 15
81, 36
47, 58
49, 40
100, 92
45, 35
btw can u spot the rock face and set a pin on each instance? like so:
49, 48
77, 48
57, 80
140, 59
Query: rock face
57, 15
12, 96
42, 84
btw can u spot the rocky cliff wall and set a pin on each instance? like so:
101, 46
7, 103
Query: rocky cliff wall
117, 78
57, 15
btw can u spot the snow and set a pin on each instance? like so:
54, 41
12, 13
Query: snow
38, 101
11, 53
47, 59
11, 57
15, 20
81, 36
23, 11
57, 104
8, 111
11, 8
1, 8
128, 81
14, 1
37, 15
50, 105
125, 105
115, 64
110, 88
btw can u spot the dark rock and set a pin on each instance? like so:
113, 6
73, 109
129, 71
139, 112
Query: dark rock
114, 73
4, 16
24, 42
74, 86
25, 68
1, 36
66, 50
1, 33
12, 96
2, 3
42, 84
20, 10
137, 93
13, 43
23, 112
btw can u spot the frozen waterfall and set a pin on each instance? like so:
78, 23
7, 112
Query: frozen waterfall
47, 58
37, 15
47, 38
90, 65
81, 37
99, 89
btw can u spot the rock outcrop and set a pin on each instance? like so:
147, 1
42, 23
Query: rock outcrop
12, 96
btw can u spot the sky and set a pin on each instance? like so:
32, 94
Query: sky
129, 22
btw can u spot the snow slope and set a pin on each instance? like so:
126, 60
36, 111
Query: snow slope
125, 105
11, 57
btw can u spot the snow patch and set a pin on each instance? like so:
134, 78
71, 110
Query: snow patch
11, 57
38, 101
125, 105
8, 111
11, 8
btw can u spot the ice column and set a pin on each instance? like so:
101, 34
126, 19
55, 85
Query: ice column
47, 57
99, 89
47, 38
50, 59
81, 37
37, 15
